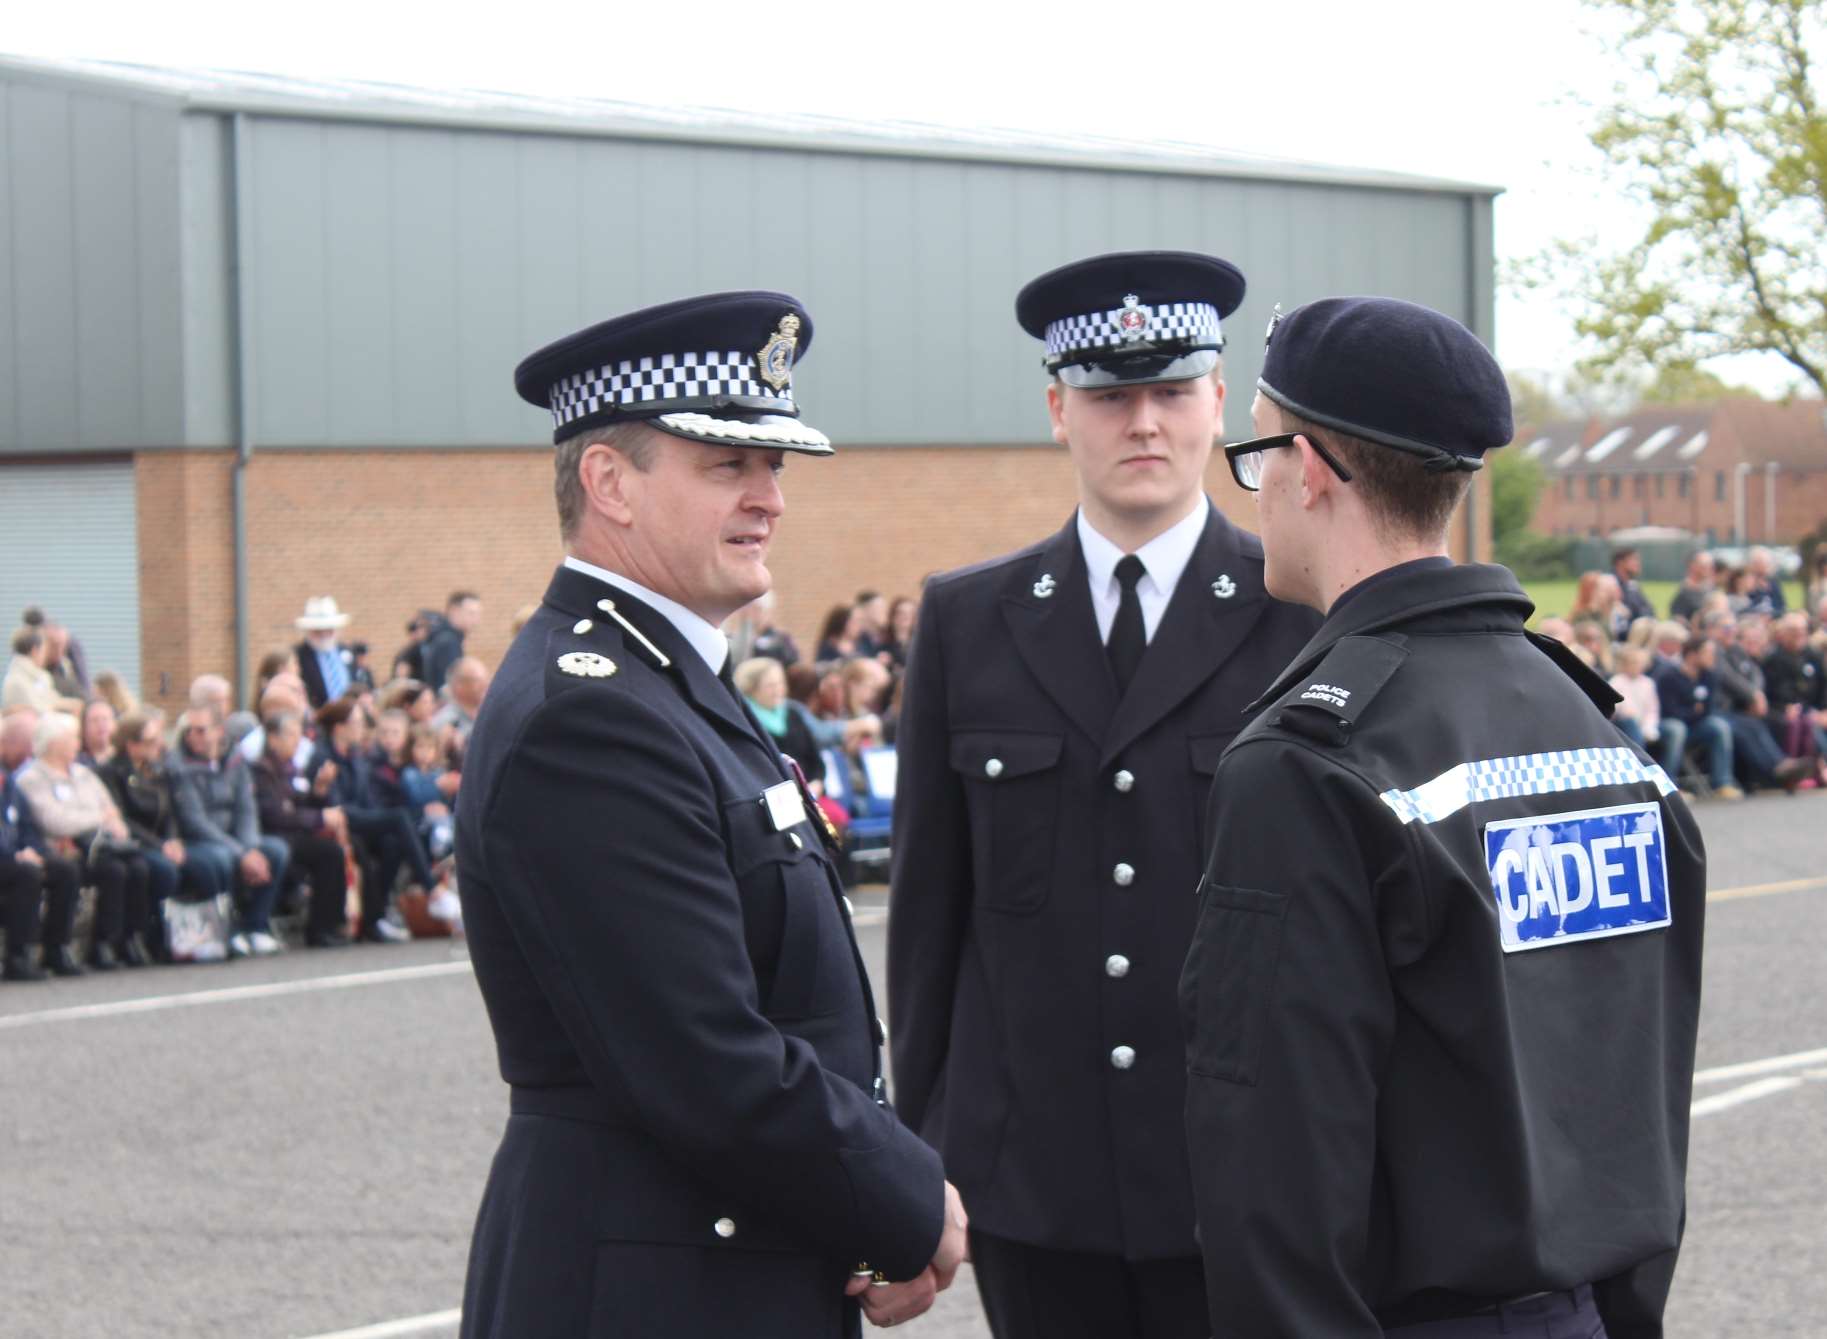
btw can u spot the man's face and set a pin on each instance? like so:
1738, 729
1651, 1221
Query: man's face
1724, 632
321, 639
1704, 658
1278, 514
1700, 570
703, 517
467, 688
16, 738
465, 615
1630, 566
148, 746
1139, 450
203, 737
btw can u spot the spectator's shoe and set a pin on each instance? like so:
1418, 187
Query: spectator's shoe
386, 932
61, 961
263, 944
20, 967
238, 945
1791, 772
1728, 793
133, 952
326, 939
102, 959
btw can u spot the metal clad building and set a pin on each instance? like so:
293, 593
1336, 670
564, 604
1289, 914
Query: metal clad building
323, 289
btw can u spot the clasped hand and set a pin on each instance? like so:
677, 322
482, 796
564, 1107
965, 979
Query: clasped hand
890, 1304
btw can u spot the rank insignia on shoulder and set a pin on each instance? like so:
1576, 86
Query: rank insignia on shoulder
586, 664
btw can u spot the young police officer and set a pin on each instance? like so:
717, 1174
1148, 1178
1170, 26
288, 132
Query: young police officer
1065, 709
1444, 987
698, 1146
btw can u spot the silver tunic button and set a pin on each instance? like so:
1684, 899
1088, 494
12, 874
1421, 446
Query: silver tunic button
1116, 965
582, 626
848, 909
993, 768
794, 838
726, 1227
1124, 781
1124, 875
1121, 1058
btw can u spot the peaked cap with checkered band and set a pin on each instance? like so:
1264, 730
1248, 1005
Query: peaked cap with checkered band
717, 368
1131, 317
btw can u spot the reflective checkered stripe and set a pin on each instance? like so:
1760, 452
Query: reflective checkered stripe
1525, 774
1173, 322
669, 377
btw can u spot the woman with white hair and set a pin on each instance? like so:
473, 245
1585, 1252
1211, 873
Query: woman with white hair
78, 816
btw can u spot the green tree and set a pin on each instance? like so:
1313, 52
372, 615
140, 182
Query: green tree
1516, 486
1718, 128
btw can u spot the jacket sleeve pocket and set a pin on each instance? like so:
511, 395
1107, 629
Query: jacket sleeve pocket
1229, 977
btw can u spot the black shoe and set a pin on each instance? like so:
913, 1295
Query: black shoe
102, 959
20, 967
133, 952
61, 961
326, 939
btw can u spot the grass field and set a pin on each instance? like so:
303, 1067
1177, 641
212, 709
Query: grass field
1556, 597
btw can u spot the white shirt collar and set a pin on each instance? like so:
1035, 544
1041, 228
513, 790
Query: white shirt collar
1165, 557
706, 638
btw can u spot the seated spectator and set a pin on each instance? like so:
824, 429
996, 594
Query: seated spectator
1694, 588
37, 887
837, 639
241, 734
1596, 600
431, 789
1558, 628
772, 641
28, 681
220, 824
1736, 582
299, 814
285, 691
74, 811
902, 615
382, 836
1764, 594
1592, 643
322, 660
763, 684
418, 700
1627, 567
361, 677
464, 689
67, 661
1756, 758
113, 690
443, 645
866, 684
1665, 644
1687, 693
1639, 715
210, 692
409, 660
871, 629
1642, 632
136, 777
278, 661
1795, 678
96, 733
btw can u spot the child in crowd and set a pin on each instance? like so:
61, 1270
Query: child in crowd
420, 777
1639, 715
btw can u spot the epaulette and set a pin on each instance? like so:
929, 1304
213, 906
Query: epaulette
1590, 681
1326, 704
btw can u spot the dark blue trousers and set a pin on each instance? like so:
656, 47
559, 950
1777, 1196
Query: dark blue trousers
1562, 1315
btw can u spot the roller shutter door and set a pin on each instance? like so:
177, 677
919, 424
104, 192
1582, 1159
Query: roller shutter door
69, 542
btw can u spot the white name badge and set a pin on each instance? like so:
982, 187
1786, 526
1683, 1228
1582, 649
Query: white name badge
784, 806
1592, 874
300, 785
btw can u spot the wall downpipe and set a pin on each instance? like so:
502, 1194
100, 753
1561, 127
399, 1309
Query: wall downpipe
243, 385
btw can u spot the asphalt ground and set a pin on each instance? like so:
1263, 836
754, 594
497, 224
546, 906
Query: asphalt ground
294, 1147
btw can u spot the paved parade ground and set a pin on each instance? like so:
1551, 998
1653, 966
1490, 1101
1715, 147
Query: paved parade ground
294, 1147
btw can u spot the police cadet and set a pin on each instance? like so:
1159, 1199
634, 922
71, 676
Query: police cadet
1065, 707
1442, 997
698, 1144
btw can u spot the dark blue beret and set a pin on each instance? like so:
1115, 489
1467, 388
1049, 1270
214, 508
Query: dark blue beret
1390, 372
717, 368
1131, 317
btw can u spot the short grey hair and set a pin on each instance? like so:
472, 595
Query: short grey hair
52, 727
632, 438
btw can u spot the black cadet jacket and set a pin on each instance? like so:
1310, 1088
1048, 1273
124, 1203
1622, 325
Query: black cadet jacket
1046, 845
677, 998
1391, 1117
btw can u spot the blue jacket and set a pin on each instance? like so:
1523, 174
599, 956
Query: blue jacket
18, 829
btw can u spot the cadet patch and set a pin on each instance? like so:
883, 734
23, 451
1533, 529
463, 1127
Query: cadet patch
1589, 874
586, 664
1327, 703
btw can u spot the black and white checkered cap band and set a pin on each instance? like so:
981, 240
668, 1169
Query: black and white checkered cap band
1169, 323
667, 378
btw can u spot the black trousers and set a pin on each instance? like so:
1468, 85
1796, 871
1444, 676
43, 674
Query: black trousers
1562, 1315
319, 857
121, 880
29, 890
1031, 1292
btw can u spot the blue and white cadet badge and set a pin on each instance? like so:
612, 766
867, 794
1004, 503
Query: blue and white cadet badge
1133, 319
776, 357
1591, 874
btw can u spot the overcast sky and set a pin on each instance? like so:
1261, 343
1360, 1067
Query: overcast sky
1465, 89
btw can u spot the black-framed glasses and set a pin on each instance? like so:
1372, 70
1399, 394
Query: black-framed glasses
1246, 457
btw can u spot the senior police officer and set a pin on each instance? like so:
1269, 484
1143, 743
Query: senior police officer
698, 1144
1065, 708
1443, 993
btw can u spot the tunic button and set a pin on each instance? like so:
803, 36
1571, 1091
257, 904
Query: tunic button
582, 626
726, 1227
1124, 875
1124, 781
794, 838
1121, 1058
993, 768
1116, 965
848, 909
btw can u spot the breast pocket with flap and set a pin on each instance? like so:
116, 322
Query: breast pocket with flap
1012, 790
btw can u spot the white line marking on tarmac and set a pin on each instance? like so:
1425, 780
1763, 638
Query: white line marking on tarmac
1752, 1068
1765, 889
1732, 1097
152, 1004
392, 1329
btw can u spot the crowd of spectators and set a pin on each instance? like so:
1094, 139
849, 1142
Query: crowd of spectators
332, 797
1728, 691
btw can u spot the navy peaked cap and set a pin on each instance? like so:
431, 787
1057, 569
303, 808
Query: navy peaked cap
1131, 317
717, 368
1391, 372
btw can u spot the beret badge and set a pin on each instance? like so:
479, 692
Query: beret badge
775, 360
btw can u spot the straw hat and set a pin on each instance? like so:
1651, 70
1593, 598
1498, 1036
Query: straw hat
320, 614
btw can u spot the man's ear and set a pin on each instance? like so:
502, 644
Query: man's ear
605, 475
1316, 477
1056, 407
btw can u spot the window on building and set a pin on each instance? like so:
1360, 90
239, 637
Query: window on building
1592, 485
1719, 485
1682, 483
1617, 485
1567, 487
1639, 488
1661, 486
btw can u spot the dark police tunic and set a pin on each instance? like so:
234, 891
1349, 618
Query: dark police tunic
1442, 998
1046, 845
678, 1001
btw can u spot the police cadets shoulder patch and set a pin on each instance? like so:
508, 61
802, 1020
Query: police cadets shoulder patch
1325, 704
586, 664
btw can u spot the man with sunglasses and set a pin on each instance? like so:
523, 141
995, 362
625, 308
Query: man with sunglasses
1065, 707
1442, 996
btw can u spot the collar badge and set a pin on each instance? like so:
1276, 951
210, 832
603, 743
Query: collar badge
586, 664
1044, 588
776, 357
1224, 587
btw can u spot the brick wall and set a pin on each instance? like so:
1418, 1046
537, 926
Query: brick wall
387, 532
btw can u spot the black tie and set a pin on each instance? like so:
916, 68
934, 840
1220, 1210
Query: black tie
1127, 641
